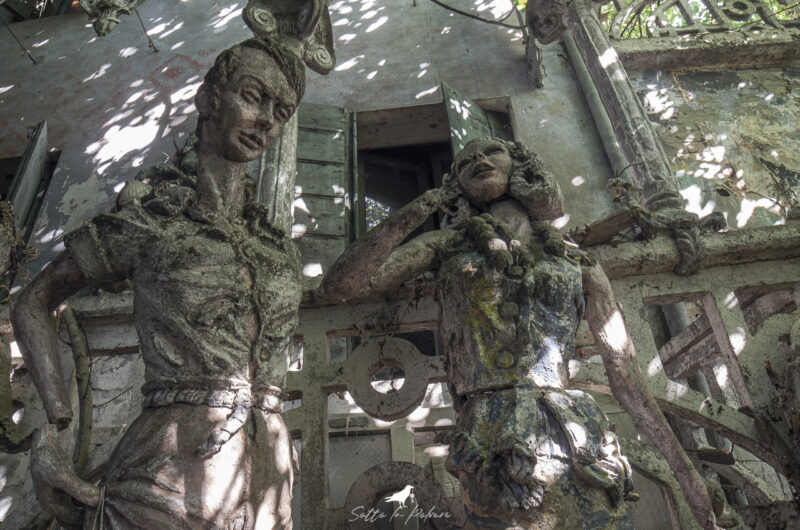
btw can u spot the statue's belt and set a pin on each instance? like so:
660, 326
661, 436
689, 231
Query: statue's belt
240, 400
267, 399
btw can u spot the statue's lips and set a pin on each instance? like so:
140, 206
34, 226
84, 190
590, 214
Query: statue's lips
483, 172
251, 141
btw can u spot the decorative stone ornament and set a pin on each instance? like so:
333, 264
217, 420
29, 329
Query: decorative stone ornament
105, 13
304, 25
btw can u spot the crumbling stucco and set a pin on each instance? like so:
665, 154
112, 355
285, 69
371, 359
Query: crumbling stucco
731, 137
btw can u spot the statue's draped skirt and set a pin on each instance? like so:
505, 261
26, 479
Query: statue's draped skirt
157, 480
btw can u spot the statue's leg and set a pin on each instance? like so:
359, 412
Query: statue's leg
272, 479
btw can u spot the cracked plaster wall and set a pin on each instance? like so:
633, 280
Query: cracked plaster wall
732, 137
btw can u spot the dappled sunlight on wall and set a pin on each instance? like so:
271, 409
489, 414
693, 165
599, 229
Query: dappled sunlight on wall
114, 105
731, 139
395, 53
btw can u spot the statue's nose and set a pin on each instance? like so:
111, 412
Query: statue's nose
265, 116
479, 156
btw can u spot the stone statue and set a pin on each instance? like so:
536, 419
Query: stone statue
105, 13
529, 453
216, 294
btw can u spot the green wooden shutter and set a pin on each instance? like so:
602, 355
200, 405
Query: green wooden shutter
325, 187
29, 175
468, 121
274, 173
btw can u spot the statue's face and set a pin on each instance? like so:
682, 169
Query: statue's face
483, 168
252, 108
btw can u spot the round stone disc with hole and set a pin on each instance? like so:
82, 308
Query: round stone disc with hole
368, 358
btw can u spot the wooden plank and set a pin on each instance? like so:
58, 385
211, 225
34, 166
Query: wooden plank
686, 363
315, 249
320, 178
704, 411
317, 116
320, 215
29, 175
602, 231
422, 124
319, 145
729, 330
465, 118
275, 174
686, 339
500, 125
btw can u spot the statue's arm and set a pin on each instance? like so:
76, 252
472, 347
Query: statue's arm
36, 335
35, 332
410, 260
351, 275
628, 385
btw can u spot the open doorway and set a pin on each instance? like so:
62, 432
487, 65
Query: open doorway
404, 152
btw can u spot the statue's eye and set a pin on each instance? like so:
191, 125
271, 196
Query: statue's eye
251, 95
283, 112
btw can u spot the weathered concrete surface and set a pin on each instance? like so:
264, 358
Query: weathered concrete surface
758, 48
727, 248
555, 120
114, 106
731, 137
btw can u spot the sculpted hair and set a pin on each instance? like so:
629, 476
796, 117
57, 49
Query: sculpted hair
226, 62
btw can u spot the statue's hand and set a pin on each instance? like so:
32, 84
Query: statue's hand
466, 453
611, 471
686, 228
55, 480
540, 194
444, 197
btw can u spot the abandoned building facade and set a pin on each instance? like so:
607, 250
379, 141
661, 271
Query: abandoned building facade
669, 126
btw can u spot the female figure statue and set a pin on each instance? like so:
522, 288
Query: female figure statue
216, 294
528, 452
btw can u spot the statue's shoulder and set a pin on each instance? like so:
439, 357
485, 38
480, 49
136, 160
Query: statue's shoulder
164, 183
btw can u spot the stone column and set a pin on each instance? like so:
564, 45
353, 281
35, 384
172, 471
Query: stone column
649, 168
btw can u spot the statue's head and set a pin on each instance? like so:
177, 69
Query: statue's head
483, 168
487, 169
252, 89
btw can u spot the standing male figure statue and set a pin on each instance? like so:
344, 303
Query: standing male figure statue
216, 294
